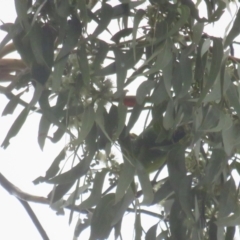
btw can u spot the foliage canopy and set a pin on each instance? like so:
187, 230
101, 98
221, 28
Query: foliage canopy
79, 57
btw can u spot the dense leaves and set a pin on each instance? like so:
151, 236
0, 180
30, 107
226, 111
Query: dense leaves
81, 58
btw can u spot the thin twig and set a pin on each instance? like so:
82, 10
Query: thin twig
21, 196
35, 220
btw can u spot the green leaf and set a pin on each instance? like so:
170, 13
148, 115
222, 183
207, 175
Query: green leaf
232, 96
230, 233
58, 134
83, 64
186, 73
167, 77
138, 227
164, 57
12, 31
218, 12
101, 121
22, 13
213, 230
111, 122
185, 196
117, 229
176, 167
197, 32
38, 11
205, 46
163, 192
22, 44
231, 220
45, 106
59, 191
36, 95
70, 176
168, 120
43, 129
63, 8
83, 9
72, 33
102, 50
176, 222
95, 196
121, 206
125, 179
12, 104
82, 224
216, 164
163, 235
134, 117
57, 74
47, 45
193, 9
217, 56
234, 32
228, 201
121, 34
127, 60
224, 123
54, 168
16, 126
145, 183
88, 119
36, 39
121, 10
122, 114
105, 18
231, 138
152, 232
159, 94
135, 4
75, 195
102, 218
121, 69
144, 89
137, 19
185, 12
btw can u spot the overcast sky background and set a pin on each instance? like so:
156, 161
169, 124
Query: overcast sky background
23, 161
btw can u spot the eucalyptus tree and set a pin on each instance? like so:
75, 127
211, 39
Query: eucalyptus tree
81, 57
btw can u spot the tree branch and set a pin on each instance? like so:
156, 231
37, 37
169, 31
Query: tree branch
34, 218
23, 198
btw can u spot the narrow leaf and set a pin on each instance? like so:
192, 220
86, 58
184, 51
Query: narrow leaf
121, 69
138, 227
102, 50
234, 32
152, 232
144, 89
95, 195
88, 119
43, 129
83, 64
12, 104
145, 184
121, 34
105, 18
217, 56
137, 19
102, 218
125, 179
70, 176
15, 128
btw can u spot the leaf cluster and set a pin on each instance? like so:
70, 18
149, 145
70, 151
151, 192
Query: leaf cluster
84, 56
